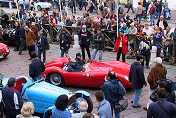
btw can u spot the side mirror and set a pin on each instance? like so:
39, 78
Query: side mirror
1, 76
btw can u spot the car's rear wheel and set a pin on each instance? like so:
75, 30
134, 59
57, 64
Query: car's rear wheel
73, 104
39, 8
56, 79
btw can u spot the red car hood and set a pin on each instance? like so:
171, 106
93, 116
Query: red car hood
116, 66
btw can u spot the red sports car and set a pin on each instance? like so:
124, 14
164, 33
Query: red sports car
4, 50
93, 73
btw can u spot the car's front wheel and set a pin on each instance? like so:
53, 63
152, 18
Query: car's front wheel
73, 103
56, 79
39, 8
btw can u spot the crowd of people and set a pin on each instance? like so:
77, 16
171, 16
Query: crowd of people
31, 33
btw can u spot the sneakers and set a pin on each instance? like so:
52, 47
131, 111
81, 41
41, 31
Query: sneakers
138, 106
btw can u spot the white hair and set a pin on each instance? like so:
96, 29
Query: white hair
83, 106
158, 60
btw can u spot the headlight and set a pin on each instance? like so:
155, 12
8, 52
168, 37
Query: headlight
7, 50
126, 77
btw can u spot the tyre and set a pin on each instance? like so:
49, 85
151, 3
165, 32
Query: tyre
74, 103
4, 57
56, 79
48, 114
39, 8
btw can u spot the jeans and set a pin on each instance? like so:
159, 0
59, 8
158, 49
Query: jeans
27, 8
44, 55
139, 15
83, 47
152, 19
64, 51
36, 48
146, 54
95, 53
117, 114
136, 96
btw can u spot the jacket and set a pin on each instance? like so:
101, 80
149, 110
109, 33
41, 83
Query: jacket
164, 23
84, 36
75, 68
99, 44
110, 91
104, 109
133, 31
158, 39
136, 75
124, 29
56, 113
174, 34
156, 74
65, 41
35, 30
145, 44
152, 10
155, 111
36, 68
43, 44
12, 99
124, 44
22, 33
30, 38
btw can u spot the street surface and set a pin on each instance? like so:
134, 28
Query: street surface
16, 65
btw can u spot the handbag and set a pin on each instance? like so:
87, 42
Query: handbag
121, 105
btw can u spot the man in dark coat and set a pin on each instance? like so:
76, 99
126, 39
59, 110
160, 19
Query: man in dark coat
161, 108
162, 23
65, 42
113, 91
22, 38
72, 67
43, 46
99, 44
12, 99
136, 75
36, 68
85, 38
79, 62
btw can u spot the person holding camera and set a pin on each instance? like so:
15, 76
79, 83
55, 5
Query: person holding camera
145, 49
161, 108
43, 46
113, 91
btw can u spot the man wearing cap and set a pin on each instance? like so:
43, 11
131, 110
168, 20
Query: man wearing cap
65, 42
155, 74
145, 48
78, 60
136, 76
72, 67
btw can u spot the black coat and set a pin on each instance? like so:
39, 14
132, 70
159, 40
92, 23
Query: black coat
84, 36
164, 23
136, 75
65, 41
43, 45
99, 44
36, 68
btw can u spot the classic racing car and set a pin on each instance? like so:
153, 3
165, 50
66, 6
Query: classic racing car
40, 5
44, 95
8, 36
4, 50
92, 74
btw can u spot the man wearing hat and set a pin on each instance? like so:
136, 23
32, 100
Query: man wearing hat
65, 42
72, 67
145, 48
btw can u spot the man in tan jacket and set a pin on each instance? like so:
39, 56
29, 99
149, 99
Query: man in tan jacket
30, 40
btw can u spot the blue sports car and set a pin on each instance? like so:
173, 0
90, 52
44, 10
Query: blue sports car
44, 95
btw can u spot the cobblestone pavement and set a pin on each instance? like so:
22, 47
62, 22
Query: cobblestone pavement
16, 65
